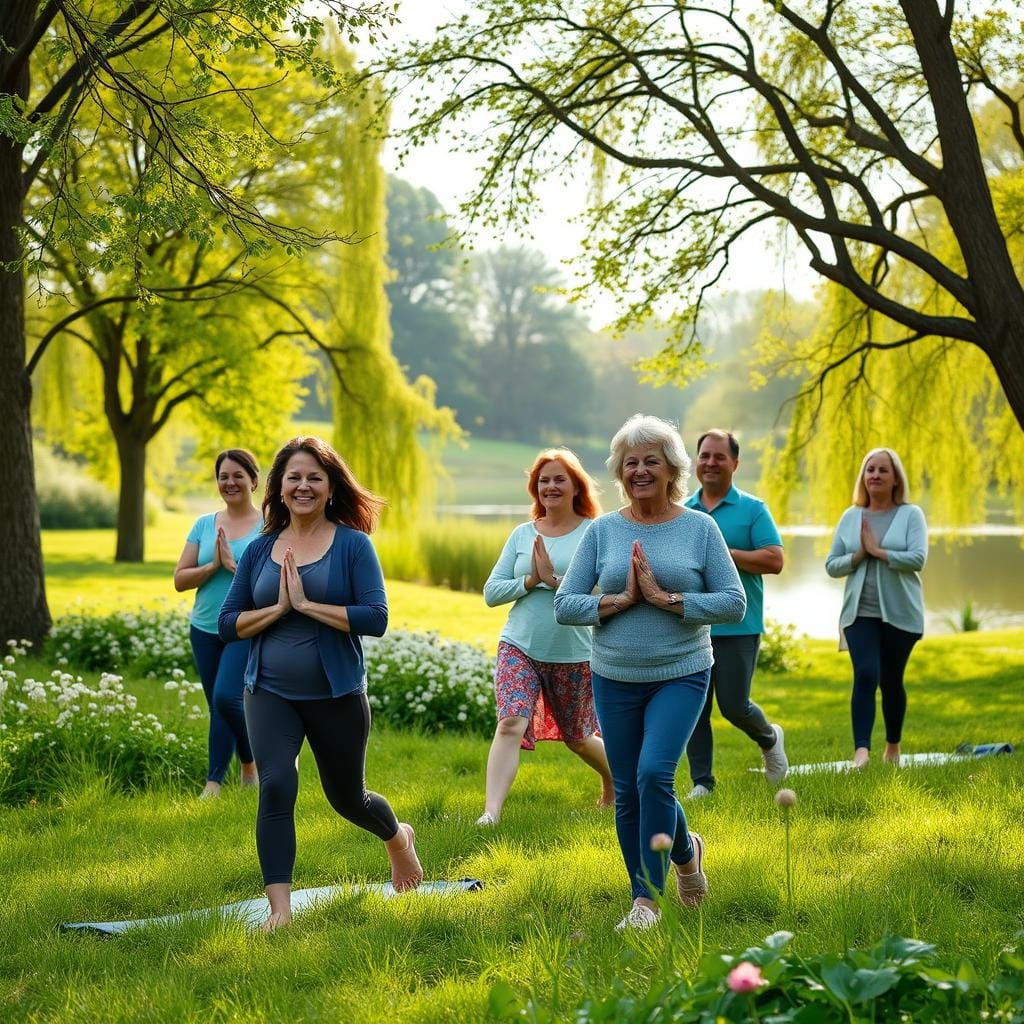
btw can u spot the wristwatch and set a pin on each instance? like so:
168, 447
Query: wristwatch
674, 599
558, 579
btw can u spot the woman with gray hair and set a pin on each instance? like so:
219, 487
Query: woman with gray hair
880, 546
651, 578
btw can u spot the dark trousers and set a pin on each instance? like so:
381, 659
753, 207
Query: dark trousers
731, 677
879, 653
222, 670
645, 727
337, 729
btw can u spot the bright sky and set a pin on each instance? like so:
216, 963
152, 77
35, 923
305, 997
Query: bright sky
451, 175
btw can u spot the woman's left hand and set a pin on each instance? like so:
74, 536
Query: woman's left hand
227, 559
869, 542
650, 588
293, 581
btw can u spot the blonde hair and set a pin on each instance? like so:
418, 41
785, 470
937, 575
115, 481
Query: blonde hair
900, 489
639, 430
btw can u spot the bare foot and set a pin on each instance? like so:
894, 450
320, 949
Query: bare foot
406, 871
250, 777
892, 753
211, 790
275, 921
606, 800
860, 758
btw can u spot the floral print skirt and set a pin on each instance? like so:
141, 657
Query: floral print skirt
557, 699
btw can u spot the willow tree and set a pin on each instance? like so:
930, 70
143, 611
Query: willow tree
378, 414
842, 124
99, 52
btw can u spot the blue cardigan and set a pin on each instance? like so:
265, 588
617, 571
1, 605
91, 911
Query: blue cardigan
899, 586
355, 580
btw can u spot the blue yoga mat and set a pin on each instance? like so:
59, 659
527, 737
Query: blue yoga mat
253, 913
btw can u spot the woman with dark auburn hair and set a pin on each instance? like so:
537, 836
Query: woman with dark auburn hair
305, 592
542, 673
207, 563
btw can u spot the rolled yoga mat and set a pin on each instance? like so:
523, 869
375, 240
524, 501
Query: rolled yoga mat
252, 913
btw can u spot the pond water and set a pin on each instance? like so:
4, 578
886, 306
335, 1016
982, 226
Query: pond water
983, 565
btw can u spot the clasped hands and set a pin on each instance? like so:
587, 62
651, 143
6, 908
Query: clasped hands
868, 544
222, 555
290, 593
541, 568
641, 584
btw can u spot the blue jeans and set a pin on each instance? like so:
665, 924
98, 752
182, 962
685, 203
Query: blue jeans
221, 670
879, 653
645, 727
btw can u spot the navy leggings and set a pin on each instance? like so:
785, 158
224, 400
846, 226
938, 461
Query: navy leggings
221, 670
879, 653
337, 729
645, 727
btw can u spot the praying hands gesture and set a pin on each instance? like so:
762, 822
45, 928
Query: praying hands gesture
540, 563
650, 589
291, 584
222, 551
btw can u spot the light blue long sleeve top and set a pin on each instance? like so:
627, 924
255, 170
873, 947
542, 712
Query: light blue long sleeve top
531, 625
900, 595
643, 643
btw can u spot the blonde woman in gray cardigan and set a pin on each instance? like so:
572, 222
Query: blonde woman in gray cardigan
880, 546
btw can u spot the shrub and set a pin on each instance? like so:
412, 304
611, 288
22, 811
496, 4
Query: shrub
50, 728
780, 648
433, 684
68, 499
149, 643
898, 980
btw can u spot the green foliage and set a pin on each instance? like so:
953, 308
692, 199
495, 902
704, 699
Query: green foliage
68, 499
144, 642
57, 730
425, 682
966, 620
897, 979
781, 648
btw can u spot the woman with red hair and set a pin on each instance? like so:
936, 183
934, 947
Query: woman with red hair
542, 673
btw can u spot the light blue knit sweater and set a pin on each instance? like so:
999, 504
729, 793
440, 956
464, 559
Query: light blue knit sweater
644, 643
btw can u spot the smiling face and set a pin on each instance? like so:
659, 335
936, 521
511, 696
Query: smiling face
646, 473
715, 464
880, 478
555, 487
234, 483
305, 486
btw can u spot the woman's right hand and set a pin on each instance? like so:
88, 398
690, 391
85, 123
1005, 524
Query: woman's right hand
284, 602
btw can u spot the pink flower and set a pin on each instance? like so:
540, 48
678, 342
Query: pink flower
661, 841
745, 977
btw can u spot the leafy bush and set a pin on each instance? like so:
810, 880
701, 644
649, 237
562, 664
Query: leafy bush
149, 643
68, 499
780, 648
898, 980
49, 728
433, 684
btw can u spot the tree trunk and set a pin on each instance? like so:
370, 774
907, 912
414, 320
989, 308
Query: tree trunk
23, 610
131, 500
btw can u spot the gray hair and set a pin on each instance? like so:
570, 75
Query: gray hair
639, 430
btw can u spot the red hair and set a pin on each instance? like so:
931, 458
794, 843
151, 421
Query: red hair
584, 502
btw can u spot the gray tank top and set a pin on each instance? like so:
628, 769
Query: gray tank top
869, 607
290, 663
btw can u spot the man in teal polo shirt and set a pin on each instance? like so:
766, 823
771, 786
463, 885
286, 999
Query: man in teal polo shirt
756, 548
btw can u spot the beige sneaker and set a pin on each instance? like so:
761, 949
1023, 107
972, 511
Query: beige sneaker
692, 888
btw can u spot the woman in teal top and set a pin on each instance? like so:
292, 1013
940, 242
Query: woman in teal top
542, 672
207, 565
880, 546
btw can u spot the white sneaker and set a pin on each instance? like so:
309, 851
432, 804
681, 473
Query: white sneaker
776, 764
640, 917
486, 820
697, 792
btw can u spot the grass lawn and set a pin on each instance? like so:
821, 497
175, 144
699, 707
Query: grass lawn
935, 853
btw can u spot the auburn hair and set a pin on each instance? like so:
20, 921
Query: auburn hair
350, 503
584, 502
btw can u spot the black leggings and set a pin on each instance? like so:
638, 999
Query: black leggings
337, 729
879, 653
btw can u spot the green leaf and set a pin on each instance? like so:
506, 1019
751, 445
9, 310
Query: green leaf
503, 1002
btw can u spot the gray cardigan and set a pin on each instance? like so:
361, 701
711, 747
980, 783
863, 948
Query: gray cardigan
899, 585
644, 643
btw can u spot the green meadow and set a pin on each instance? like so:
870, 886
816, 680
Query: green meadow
934, 853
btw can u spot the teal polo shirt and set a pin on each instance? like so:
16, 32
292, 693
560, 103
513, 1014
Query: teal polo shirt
747, 525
